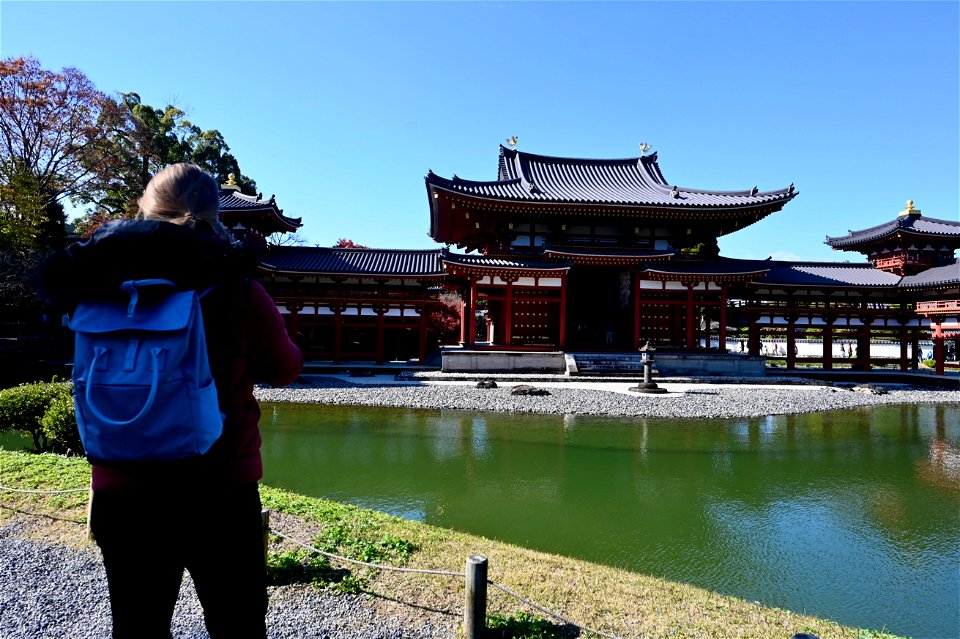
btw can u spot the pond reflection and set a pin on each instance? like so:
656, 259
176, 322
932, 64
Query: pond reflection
852, 515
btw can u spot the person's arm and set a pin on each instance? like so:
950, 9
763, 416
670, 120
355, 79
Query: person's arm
274, 358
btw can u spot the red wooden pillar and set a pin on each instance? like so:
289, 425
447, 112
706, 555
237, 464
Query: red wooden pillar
468, 316
636, 310
337, 334
753, 337
904, 342
939, 349
791, 342
863, 346
293, 326
690, 308
723, 319
508, 312
915, 350
828, 344
563, 312
423, 329
380, 345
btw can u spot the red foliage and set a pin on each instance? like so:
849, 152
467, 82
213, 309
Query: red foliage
345, 243
444, 322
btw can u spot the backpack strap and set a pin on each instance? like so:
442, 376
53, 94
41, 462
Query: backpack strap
156, 355
132, 287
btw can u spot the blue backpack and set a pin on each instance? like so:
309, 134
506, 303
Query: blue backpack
142, 383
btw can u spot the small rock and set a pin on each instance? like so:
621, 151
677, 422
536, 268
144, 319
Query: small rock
486, 383
526, 389
869, 388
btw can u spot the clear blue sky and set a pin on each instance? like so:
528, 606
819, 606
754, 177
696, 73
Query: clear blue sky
341, 108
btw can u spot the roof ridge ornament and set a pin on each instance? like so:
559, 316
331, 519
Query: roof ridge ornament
512, 141
909, 210
644, 147
231, 184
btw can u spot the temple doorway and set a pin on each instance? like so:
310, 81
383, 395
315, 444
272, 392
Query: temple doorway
599, 309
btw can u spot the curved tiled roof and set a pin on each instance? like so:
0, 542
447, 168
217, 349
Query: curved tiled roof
501, 262
908, 224
937, 276
235, 202
719, 266
627, 182
353, 261
603, 251
829, 274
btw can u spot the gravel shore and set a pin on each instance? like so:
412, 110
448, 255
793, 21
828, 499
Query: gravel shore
51, 591
683, 399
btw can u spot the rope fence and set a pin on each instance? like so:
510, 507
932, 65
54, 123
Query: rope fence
475, 576
44, 492
475, 591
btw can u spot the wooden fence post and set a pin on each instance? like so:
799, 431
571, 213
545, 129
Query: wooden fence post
265, 520
475, 597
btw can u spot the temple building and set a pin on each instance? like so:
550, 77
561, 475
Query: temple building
572, 252
579, 255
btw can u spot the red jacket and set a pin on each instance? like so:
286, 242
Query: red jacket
247, 341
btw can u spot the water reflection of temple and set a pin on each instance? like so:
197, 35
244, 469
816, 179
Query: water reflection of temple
602, 255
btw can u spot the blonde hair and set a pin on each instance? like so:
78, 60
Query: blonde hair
183, 194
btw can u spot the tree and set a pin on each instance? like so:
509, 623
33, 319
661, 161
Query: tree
287, 239
345, 243
443, 324
51, 129
145, 141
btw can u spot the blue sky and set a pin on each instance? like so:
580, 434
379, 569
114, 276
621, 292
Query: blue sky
341, 108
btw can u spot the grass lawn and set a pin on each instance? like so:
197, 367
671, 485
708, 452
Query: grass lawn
611, 600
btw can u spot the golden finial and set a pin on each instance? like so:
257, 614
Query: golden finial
512, 141
644, 147
910, 210
231, 183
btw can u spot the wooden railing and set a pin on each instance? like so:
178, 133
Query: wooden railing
941, 306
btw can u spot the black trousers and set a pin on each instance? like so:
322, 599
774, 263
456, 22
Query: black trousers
149, 536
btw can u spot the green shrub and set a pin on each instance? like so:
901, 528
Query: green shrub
930, 363
59, 425
23, 408
520, 625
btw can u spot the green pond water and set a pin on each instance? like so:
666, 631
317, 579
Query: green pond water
850, 515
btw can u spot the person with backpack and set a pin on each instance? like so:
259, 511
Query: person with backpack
172, 334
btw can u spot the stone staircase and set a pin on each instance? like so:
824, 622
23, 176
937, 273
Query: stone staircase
608, 364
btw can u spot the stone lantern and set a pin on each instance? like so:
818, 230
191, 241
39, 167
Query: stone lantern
647, 386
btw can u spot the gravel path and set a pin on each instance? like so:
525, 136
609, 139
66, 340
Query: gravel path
51, 591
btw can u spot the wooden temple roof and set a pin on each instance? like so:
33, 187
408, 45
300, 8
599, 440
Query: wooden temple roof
720, 269
828, 274
769, 273
501, 263
353, 261
632, 182
913, 225
255, 211
605, 255
631, 188
944, 275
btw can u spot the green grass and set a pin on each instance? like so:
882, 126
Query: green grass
612, 600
